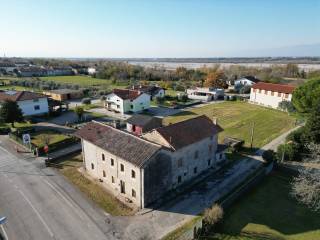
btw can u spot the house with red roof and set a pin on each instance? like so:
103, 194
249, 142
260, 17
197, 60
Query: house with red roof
127, 100
31, 103
270, 94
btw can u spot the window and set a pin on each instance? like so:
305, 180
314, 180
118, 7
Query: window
103, 157
195, 170
118, 106
179, 179
220, 156
133, 193
272, 93
121, 167
133, 174
196, 154
112, 162
265, 92
92, 166
104, 173
209, 161
259, 90
279, 94
180, 162
131, 106
286, 95
112, 179
36, 107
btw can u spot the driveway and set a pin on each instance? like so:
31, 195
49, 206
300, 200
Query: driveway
163, 111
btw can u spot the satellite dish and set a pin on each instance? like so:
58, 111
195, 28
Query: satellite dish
3, 220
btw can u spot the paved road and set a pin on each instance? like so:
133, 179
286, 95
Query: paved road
38, 203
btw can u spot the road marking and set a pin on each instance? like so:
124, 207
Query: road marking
38, 214
63, 197
4, 232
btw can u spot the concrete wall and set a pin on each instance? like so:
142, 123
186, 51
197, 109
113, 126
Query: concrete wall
93, 155
28, 106
268, 98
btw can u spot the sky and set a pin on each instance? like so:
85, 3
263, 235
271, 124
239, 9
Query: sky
159, 28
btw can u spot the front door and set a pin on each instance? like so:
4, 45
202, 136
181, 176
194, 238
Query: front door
122, 187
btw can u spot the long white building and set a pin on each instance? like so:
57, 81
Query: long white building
270, 94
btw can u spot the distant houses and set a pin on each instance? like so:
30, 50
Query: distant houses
205, 94
30, 103
142, 169
127, 100
270, 94
246, 81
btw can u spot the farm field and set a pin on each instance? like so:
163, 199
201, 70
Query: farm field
236, 118
84, 81
270, 213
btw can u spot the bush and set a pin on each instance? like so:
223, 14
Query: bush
212, 216
286, 106
269, 156
245, 89
103, 98
86, 101
289, 152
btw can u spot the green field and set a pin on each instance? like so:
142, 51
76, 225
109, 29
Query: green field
237, 118
84, 81
270, 213
55, 137
17, 88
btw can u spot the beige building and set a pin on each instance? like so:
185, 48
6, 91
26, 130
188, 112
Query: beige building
64, 94
143, 169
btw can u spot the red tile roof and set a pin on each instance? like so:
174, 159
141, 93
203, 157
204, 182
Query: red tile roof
127, 93
274, 87
19, 95
184, 133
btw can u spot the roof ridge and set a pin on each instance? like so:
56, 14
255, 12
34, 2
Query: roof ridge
127, 133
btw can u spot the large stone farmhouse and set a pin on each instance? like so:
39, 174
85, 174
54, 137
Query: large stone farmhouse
270, 94
30, 103
126, 100
142, 169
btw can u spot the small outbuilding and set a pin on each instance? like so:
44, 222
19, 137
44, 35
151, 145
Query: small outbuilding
64, 94
139, 124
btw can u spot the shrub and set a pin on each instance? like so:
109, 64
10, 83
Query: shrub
86, 101
103, 98
212, 216
289, 152
269, 156
286, 106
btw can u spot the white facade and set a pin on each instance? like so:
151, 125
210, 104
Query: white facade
91, 71
205, 94
268, 98
243, 81
34, 107
103, 165
115, 103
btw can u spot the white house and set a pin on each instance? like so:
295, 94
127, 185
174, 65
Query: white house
270, 94
247, 80
142, 169
205, 94
30, 103
153, 91
126, 100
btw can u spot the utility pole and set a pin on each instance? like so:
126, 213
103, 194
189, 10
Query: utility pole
252, 133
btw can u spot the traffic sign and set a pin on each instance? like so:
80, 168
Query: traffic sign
26, 138
3, 220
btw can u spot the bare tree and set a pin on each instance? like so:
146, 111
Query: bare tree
306, 186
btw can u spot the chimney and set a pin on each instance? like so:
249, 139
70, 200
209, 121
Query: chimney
215, 120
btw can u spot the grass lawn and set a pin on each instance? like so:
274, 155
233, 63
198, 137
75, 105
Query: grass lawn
236, 118
84, 81
37, 138
91, 189
17, 88
270, 213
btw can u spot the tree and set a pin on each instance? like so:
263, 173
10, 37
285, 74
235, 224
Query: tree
306, 186
292, 70
286, 106
213, 215
312, 128
86, 101
10, 112
306, 97
79, 111
289, 152
269, 156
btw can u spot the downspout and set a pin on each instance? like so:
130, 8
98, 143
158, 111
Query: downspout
141, 188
